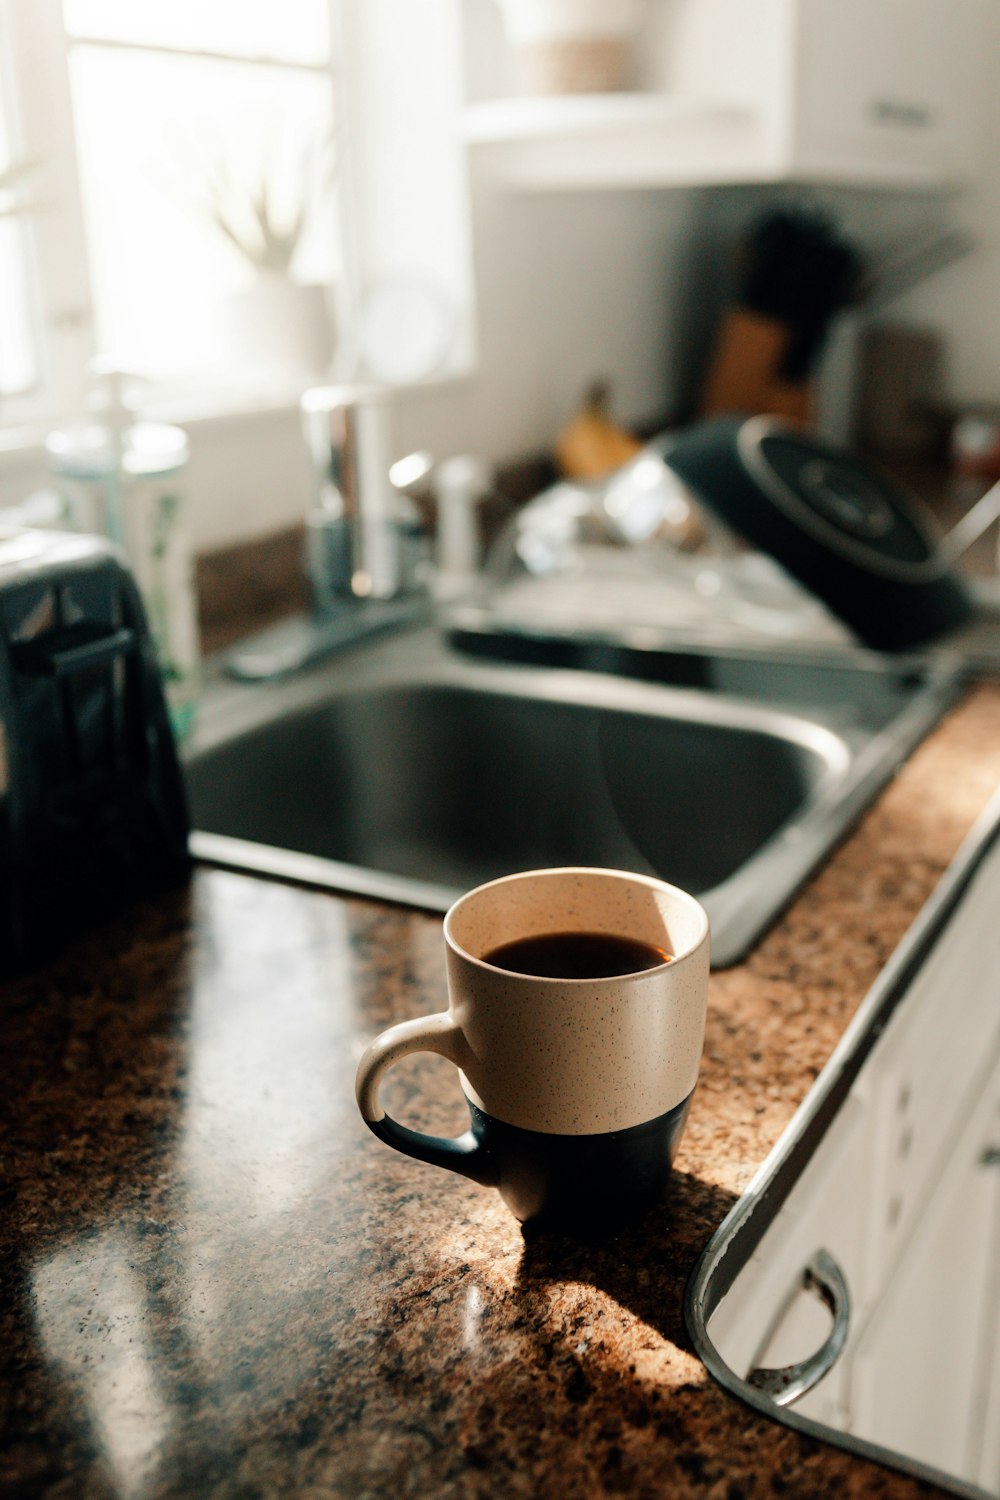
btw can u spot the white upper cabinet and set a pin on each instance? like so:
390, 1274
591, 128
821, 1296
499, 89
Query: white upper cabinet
856, 92
884, 87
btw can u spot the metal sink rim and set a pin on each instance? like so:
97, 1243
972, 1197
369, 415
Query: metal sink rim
741, 907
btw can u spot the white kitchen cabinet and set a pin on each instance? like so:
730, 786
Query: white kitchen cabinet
884, 84
989, 1417
902, 1188
920, 1372
856, 92
931, 1064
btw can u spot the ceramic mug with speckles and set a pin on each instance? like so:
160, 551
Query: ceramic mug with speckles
578, 1089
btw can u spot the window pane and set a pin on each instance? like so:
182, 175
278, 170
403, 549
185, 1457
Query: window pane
18, 364
162, 269
288, 30
18, 355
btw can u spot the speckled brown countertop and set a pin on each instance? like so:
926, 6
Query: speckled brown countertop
217, 1283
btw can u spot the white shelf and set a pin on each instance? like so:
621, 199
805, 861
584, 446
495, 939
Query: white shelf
619, 140
548, 117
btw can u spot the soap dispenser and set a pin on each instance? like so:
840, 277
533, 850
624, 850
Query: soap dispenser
122, 478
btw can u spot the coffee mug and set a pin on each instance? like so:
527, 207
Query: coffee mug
576, 1019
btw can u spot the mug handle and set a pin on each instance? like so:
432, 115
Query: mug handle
440, 1033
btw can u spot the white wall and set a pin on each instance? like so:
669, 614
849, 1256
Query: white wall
569, 287
248, 476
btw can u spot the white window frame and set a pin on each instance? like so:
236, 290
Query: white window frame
43, 130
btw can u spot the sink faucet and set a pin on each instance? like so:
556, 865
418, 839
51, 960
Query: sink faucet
358, 528
362, 553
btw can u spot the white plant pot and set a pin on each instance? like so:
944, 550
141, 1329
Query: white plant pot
280, 327
572, 46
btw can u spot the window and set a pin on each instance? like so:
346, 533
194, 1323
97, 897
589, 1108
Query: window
256, 124
150, 120
171, 117
18, 351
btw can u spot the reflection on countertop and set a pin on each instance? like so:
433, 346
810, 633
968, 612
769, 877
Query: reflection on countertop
219, 1284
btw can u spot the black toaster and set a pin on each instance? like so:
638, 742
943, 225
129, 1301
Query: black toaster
92, 802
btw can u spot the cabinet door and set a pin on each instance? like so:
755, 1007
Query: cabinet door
885, 82
921, 1369
986, 1414
930, 1065
904, 1192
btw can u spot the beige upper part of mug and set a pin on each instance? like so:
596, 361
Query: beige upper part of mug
578, 1056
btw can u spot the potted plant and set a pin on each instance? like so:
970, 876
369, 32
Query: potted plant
572, 46
275, 321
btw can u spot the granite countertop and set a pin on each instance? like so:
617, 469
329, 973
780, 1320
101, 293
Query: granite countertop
217, 1283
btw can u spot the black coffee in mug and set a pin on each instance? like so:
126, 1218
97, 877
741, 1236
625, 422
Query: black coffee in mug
576, 955
576, 1019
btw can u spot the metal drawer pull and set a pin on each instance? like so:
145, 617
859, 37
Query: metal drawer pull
824, 1277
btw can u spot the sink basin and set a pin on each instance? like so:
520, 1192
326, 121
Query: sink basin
412, 771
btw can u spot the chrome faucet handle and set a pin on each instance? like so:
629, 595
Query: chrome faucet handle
410, 478
461, 484
455, 487
412, 475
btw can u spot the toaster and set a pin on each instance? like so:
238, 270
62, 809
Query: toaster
92, 801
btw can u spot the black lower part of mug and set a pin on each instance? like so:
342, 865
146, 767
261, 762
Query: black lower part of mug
580, 1182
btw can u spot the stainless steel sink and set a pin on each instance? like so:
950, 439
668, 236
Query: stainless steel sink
412, 771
